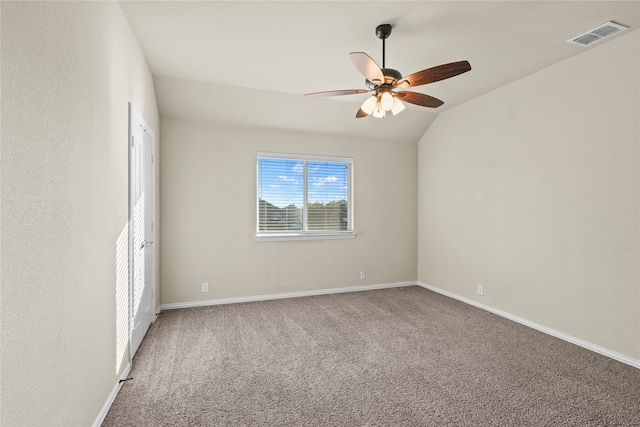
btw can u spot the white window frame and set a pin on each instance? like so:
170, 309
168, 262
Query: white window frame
272, 236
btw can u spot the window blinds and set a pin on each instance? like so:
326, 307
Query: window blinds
304, 194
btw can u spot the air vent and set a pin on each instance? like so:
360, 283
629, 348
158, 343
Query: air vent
597, 34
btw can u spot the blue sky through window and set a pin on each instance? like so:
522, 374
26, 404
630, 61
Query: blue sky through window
327, 181
281, 181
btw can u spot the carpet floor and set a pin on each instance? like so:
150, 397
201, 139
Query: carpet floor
391, 357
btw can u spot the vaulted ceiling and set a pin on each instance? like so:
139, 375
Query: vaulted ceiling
244, 63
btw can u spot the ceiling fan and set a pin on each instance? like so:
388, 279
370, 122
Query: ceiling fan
383, 81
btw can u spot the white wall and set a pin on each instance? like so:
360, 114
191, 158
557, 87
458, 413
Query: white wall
208, 209
533, 191
69, 70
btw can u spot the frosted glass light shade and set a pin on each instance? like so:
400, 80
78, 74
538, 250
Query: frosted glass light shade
397, 106
386, 100
369, 105
378, 111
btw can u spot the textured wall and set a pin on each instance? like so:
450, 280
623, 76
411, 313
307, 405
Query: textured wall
69, 70
208, 206
533, 191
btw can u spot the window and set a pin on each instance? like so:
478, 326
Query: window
304, 197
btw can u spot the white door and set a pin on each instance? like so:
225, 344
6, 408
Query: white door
140, 228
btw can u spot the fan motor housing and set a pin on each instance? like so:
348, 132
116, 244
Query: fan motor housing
390, 75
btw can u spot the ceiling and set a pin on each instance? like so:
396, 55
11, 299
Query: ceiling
248, 64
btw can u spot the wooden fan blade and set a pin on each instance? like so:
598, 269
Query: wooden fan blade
435, 74
367, 67
419, 99
337, 92
360, 114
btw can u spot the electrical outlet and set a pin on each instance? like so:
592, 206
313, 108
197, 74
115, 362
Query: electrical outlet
480, 290
363, 275
205, 286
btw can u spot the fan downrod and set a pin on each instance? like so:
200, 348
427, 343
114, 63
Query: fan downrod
383, 31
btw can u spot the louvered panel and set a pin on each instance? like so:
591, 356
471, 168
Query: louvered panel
599, 33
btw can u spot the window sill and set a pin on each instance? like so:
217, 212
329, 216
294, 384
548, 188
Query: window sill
281, 237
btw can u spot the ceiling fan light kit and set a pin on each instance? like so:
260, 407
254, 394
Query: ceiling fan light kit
383, 81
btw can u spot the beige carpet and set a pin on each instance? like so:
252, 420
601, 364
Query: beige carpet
393, 357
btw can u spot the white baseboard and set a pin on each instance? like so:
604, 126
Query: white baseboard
577, 341
112, 397
284, 295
